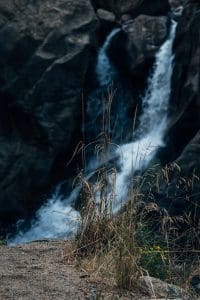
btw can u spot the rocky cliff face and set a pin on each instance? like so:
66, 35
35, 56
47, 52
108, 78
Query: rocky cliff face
44, 56
184, 114
182, 135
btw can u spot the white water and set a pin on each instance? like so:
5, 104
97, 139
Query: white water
57, 218
105, 70
155, 101
137, 155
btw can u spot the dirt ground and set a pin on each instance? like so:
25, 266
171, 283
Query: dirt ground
43, 271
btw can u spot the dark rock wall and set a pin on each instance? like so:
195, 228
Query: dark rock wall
184, 113
143, 37
44, 55
182, 136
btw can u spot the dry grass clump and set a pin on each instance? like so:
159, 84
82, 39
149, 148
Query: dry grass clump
142, 239
105, 235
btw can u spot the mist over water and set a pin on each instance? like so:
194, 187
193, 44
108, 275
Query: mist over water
57, 218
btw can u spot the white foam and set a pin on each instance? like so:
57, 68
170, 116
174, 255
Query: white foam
55, 219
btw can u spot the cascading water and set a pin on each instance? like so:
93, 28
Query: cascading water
105, 70
137, 155
57, 218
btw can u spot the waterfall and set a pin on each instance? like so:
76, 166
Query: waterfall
155, 101
57, 218
152, 124
105, 70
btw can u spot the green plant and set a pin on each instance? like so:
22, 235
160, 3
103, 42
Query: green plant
2, 242
152, 246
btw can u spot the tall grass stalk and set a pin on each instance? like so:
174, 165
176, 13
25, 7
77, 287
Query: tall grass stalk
142, 239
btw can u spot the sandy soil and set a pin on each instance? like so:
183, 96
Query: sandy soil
44, 271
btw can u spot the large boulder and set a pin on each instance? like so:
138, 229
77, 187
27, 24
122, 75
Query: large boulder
144, 36
126, 9
156, 288
176, 3
138, 42
44, 56
135, 7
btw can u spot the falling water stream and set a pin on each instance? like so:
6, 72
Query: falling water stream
152, 124
57, 218
105, 70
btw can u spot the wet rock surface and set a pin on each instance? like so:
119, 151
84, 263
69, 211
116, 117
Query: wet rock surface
184, 113
143, 35
134, 8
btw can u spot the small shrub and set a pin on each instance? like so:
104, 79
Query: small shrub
2, 241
